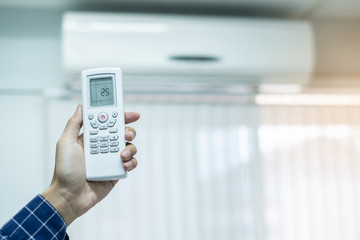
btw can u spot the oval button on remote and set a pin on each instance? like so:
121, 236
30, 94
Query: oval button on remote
103, 117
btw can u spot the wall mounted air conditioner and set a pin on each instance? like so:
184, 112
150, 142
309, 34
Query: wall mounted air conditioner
176, 48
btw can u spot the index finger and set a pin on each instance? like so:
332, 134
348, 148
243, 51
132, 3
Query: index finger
131, 117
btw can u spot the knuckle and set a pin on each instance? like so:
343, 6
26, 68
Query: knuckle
134, 131
132, 148
130, 129
135, 162
59, 142
71, 120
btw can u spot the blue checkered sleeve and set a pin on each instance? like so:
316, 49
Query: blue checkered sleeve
37, 220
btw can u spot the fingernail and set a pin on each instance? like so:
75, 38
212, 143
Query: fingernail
127, 153
131, 135
78, 107
128, 165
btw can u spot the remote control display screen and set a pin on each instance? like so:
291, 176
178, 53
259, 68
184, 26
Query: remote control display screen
101, 91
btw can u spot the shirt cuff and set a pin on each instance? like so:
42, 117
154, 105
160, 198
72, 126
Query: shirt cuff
37, 220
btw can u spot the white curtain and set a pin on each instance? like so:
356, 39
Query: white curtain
230, 171
311, 162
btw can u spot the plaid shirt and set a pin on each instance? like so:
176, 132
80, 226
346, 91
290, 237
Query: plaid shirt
37, 220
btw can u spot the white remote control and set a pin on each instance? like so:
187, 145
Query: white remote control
104, 123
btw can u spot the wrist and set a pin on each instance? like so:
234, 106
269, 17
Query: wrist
59, 199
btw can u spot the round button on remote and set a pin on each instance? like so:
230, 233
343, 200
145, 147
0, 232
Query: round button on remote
114, 114
91, 116
103, 117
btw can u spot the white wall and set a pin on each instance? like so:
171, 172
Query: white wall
21, 152
338, 48
30, 49
30, 60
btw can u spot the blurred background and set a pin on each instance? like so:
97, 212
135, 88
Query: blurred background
250, 124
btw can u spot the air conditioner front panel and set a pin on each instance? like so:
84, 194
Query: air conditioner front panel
145, 44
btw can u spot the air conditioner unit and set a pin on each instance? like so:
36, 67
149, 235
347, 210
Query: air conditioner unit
177, 48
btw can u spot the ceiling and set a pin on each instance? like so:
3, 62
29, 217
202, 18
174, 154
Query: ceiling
305, 9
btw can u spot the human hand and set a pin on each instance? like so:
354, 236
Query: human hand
70, 193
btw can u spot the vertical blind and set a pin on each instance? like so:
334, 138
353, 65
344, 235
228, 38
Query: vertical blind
231, 171
311, 172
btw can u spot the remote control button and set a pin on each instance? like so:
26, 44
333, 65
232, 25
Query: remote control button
104, 144
114, 149
114, 144
94, 151
93, 132
103, 127
112, 122
94, 124
103, 139
113, 137
104, 150
114, 114
94, 139
103, 117
94, 145
91, 116
113, 130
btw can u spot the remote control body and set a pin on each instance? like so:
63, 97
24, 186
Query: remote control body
103, 123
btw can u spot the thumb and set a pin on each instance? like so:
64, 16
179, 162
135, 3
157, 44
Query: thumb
74, 124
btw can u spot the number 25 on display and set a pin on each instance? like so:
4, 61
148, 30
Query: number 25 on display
105, 92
